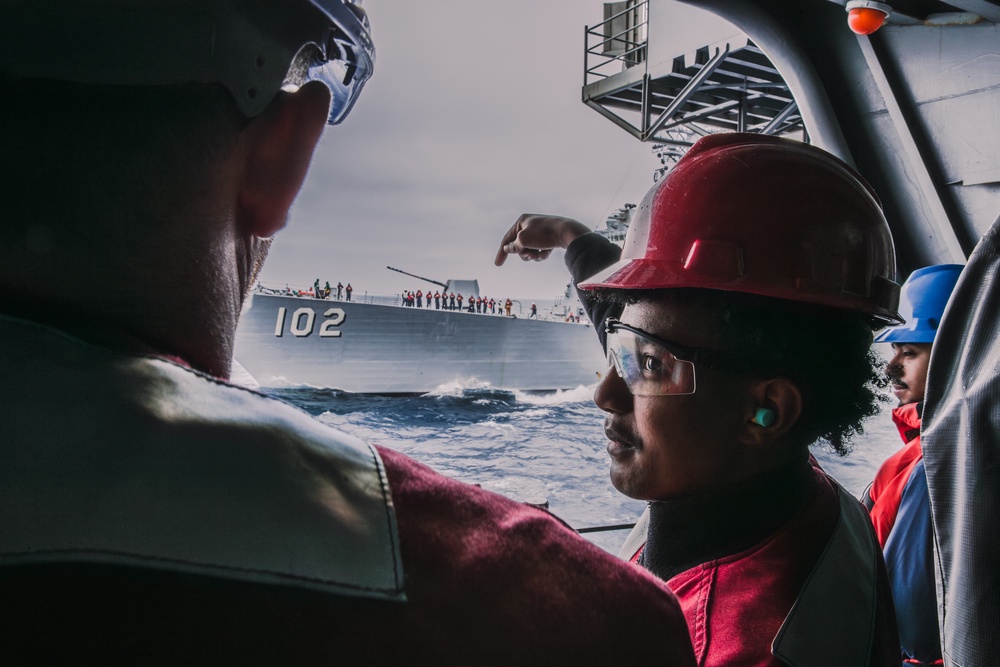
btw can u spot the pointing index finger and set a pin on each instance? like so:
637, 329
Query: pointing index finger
508, 245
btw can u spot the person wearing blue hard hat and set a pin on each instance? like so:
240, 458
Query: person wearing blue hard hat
897, 499
922, 302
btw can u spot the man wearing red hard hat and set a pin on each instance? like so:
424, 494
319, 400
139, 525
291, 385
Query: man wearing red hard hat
738, 319
151, 512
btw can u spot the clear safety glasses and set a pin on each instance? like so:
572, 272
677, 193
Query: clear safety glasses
344, 79
343, 61
652, 366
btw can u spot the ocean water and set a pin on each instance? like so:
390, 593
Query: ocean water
532, 447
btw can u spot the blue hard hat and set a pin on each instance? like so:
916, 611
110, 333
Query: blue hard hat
922, 301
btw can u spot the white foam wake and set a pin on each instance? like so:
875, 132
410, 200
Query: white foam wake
459, 387
580, 394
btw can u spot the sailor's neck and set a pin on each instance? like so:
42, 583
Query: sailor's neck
175, 291
690, 531
123, 329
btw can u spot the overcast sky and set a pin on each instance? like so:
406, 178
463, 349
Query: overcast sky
473, 116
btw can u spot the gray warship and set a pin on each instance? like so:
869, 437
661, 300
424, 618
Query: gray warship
378, 345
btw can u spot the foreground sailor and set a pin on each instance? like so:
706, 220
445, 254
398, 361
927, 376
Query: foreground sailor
152, 512
897, 498
737, 322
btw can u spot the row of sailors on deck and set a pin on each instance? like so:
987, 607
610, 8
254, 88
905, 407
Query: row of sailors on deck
452, 301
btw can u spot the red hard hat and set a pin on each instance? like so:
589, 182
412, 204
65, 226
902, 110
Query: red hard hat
762, 215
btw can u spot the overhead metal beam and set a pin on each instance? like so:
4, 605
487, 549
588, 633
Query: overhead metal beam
779, 119
617, 120
688, 91
737, 88
984, 8
644, 109
705, 113
938, 217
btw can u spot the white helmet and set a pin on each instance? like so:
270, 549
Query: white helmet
253, 47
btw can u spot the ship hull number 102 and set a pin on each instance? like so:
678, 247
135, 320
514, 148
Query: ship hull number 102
303, 322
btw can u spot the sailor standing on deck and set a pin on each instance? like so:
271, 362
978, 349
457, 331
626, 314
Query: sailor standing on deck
733, 344
161, 514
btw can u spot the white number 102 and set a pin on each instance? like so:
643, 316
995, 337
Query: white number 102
304, 319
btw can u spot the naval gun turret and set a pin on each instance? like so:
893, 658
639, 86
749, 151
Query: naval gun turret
465, 287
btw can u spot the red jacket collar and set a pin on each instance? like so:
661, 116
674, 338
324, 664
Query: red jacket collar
907, 420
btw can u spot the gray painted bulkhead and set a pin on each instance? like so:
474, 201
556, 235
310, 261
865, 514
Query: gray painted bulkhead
913, 106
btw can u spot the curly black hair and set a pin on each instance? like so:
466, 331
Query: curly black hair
825, 351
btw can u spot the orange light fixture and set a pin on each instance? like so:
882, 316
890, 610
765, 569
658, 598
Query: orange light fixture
866, 16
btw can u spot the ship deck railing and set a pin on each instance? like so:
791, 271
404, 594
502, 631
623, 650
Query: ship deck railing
397, 300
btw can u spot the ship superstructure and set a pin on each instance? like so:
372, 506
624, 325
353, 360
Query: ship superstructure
913, 106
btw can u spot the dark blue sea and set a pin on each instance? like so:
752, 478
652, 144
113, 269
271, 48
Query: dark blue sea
532, 447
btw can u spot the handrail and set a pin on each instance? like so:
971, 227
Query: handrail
631, 40
599, 529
